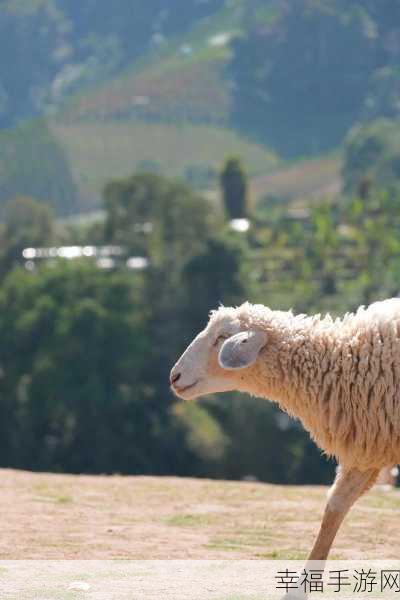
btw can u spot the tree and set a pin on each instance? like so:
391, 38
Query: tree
73, 345
156, 217
216, 275
28, 223
372, 156
234, 188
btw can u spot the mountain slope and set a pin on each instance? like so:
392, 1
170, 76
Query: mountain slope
50, 49
100, 151
292, 77
295, 74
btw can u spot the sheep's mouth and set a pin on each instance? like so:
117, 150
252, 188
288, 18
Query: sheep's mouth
181, 390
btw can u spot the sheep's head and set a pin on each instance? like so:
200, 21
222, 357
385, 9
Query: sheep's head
216, 359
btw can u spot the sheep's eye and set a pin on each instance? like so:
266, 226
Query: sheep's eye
220, 338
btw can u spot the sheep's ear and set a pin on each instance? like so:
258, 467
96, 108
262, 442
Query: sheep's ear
241, 350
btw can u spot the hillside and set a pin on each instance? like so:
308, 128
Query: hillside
100, 151
183, 79
59, 48
302, 182
257, 60
82, 517
295, 76
189, 85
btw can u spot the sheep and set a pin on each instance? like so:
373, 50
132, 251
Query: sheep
340, 377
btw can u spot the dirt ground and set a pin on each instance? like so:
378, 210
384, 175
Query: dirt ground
46, 516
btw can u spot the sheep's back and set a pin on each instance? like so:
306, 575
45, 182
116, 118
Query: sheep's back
365, 419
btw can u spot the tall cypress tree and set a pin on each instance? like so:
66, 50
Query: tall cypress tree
233, 181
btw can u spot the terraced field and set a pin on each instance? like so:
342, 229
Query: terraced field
101, 151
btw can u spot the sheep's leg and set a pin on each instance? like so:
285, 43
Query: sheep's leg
348, 487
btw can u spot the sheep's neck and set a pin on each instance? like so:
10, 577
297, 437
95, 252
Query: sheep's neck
339, 379
303, 368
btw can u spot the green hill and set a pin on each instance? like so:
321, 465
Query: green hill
133, 85
100, 151
33, 163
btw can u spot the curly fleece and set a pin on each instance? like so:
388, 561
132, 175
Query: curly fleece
340, 377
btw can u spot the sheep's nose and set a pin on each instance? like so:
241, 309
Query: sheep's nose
174, 378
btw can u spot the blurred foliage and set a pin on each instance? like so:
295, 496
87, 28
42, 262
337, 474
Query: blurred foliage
152, 216
73, 346
85, 353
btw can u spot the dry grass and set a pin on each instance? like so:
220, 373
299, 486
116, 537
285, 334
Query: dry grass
63, 516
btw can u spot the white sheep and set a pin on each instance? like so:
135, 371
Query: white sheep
340, 377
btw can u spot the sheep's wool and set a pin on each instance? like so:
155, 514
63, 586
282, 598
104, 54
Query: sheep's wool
340, 377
